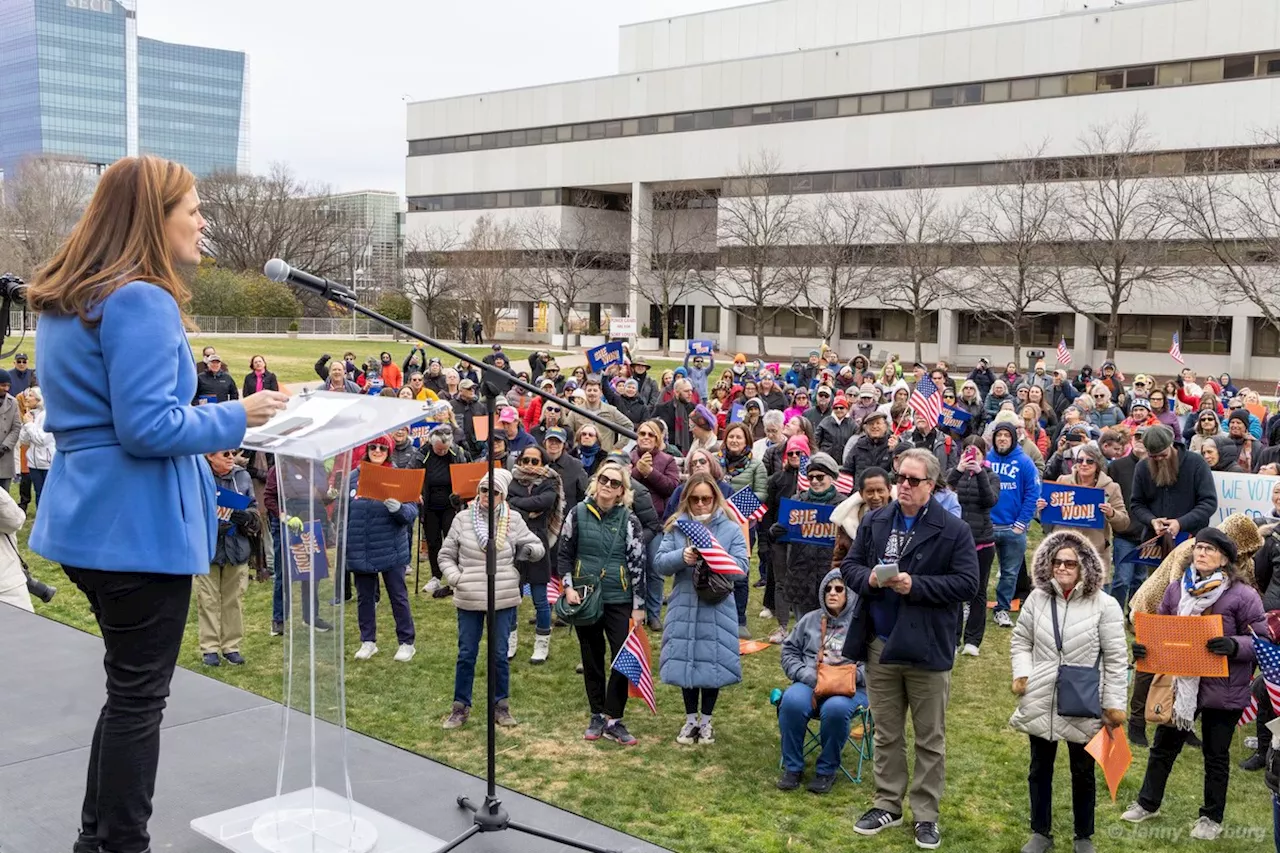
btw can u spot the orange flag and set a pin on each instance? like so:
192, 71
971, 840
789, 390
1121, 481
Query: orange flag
633, 692
1110, 748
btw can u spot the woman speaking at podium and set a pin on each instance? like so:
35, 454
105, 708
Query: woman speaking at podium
129, 508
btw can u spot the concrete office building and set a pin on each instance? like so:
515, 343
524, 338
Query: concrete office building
861, 97
374, 251
77, 82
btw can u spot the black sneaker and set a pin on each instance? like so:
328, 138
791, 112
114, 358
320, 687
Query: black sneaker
211, 659
443, 592
618, 733
788, 781
875, 820
234, 658
1257, 761
1138, 735
322, 627
277, 628
1192, 741
927, 837
595, 728
822, 784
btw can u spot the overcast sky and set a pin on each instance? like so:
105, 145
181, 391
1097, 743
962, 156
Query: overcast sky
329, 79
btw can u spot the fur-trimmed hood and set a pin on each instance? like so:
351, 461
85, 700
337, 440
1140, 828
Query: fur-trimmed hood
1092, 572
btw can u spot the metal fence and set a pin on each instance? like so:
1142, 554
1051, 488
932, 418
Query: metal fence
338, 327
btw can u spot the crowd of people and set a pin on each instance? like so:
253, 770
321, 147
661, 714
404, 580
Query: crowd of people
923, 514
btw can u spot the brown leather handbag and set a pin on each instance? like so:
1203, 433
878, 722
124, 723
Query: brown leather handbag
1160, 701
833, 679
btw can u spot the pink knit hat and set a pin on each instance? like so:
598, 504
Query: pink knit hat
798, 442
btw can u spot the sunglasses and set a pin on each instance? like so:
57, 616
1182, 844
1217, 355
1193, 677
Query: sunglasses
1064, 564
645, 433
702, 500
226, 454
818, 475
913, 482
377, 449
529, 460
834, 588
553, 409
1085, 461
794, 454
700, 461
610, 482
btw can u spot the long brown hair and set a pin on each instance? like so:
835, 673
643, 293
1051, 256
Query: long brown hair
698, 479
119, 239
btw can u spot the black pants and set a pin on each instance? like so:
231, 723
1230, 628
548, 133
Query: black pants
435, 526
142, 617
1217, 728
975, 627
1265, 714
765, 550
709, 697
608, 698
1084, 787
1138, 701
24, 490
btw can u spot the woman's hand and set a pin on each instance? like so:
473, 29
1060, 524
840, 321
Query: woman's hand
1114, 717
1019, 686
263, 406
571, 595
637, 618
1107, 509
690, 556
1041, 504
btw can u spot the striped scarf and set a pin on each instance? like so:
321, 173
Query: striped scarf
480, 523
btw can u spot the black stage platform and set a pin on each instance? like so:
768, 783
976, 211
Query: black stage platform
219, 750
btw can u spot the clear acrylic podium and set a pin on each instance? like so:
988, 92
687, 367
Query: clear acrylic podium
314, 809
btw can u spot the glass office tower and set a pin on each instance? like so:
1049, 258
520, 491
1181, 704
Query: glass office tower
77, 82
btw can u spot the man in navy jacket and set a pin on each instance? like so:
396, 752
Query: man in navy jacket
905, 629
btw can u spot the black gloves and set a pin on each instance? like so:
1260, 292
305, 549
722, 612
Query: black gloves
1225, 646
1139, 651
777, 531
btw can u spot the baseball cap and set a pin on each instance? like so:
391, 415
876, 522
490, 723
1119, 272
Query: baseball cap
466, 383
22, 356
497, 347
208, 359
824, 390
557, 434
508, 415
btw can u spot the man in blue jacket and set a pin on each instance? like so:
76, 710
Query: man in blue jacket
697, 371
1019, 491
912, 564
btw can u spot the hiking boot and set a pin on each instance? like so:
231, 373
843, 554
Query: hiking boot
502, 714
211, 659
822, 783
1137, 814
458, 714
875, 820
1138, 734
688, 734
595, 728
706, 734
1002, 618
654, 624
1038, 844
788, 781
541, 649
617, 732
366, 651
1206, 829
1257, 761
927, 836
1192, 741
234, 658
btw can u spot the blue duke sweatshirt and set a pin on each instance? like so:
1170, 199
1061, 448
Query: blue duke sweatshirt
1019, 487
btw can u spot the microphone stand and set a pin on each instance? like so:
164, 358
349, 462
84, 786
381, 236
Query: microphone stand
489, 816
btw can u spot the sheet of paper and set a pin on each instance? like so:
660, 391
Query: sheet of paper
379, 483
319, 410
1176, 645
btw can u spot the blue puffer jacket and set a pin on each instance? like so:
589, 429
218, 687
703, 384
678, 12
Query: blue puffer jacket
699, 640
377, 540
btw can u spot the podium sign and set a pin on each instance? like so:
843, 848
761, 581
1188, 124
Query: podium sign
314, 809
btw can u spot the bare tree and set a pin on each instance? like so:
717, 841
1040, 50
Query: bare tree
837, 260
675, 240
1234, 220
428, 277
759, 223
1113, 225
571, 260
39, 205
917, 231
485, 272
1009, 228
254, 218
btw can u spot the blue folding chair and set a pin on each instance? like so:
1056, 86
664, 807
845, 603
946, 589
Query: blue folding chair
861, 731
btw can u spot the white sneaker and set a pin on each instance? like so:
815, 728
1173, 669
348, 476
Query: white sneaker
432, 585
367, 650
541, 649
1137, 814
405, 652
706, 734
1003, 619
969, 649
766, 614
513, 640
1206, 830
688, 734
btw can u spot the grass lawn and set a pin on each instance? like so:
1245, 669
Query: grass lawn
706, 799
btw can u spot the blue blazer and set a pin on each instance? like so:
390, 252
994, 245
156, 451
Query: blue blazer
128, 490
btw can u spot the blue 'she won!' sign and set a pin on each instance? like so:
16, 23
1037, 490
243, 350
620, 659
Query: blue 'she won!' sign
806, 523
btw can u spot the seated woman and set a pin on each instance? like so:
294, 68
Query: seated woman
800, 653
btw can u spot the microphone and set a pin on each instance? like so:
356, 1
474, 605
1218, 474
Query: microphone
278, 270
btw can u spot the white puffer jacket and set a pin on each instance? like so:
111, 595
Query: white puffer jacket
1089, 621
12, 578
462, 562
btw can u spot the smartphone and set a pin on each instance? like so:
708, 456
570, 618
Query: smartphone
886, 572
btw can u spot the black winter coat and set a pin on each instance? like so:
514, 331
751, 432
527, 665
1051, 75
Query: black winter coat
807, 565
642, 506
782, 484
407, 456
1192, 500
977, 494
866, 452
574, 479
832, 436
437, 484
269, 383
1266, 567
1121, 471
535, 502
219, 385
943, 563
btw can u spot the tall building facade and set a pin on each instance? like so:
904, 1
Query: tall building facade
77, 82
374, 222
864, 99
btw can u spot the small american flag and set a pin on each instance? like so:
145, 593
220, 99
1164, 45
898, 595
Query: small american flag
718, 559
554, 588
1175, 349
633, 662
802, 481
1268, 655
1251, 713
745, 506
1064, 354
926, 400
845, 484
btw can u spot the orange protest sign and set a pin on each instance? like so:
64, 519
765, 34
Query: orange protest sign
1176, 645
1110, 748
378, 482
466, 476
750, 647
480, 423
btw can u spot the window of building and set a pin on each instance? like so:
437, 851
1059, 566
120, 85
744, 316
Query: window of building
1022, 90
784, 323
846, 182
1172, 163
722, 118
703, 120
666, 124
1269, 63
895, 102
1266, 339
1206, 334
871, 103
782, 112
1041, 331
968, 174
944, 97
761, 115
1174, 74
1139, 78
548, 135
1238, 67
847, 107
742, 116
826, 108
630, 127
940, 176
1206, 71
880, 324
998, 91
1083, 82
803, 111
918, 99
711, 319
648, 125
970, 94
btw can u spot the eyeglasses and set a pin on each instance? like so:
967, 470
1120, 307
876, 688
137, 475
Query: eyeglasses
840, 408
1208, 420
702, 500
1064, 564
913, 482
609, 482
529, 460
